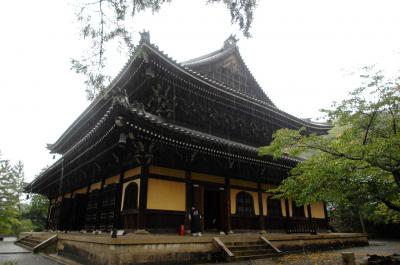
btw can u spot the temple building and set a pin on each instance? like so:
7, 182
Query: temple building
165, 136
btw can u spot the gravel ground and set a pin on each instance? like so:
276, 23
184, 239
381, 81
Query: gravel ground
333, 257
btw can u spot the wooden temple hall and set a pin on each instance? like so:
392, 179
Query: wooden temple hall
166, 136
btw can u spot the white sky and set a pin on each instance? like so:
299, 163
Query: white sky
301, 53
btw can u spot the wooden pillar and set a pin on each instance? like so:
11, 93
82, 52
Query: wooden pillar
189, 199
48, 215
260, 207
99, 203
60, 193
72, 212
144, 177
227, 188
287, 215
118, 200
326, 216
310, 220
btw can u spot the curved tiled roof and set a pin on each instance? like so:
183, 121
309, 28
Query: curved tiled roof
183, 68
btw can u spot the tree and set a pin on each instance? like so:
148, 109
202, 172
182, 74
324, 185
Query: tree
11, 181
105, 22
36, 211
358, 162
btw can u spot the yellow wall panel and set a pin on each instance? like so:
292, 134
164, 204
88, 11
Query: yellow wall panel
244, 183
164, 171
67, 195
266, 187
283, 206
81, 191
305, 211
254, 194
290, 207
137, 181
111, 180
317, 210
207, 178
132, 172
264, 202
95, 186
166, 195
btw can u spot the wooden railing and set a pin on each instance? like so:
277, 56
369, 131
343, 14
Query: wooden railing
300, 225
295, 224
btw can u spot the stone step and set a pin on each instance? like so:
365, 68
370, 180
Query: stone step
249, 252
24, 242
245, 247
255, 256
24, 246
33, 240
242, 243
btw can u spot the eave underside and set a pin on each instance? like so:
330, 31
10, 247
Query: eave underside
99, 150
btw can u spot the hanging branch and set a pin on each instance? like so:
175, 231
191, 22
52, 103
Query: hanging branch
108, 21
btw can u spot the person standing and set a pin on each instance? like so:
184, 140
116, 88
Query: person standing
195, 221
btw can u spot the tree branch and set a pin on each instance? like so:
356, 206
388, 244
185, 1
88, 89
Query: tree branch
368, 127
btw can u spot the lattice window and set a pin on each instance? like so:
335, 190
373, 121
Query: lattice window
244, 203
298, 211
274, 207
131, 194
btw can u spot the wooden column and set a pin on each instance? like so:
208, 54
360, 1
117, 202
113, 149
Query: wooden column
326, 216
144, 177
227, 188
72, 212
287, 215
260, 207
189, 199
48, 215
190, 156
310, 220
99, 203
118, 200
60, 193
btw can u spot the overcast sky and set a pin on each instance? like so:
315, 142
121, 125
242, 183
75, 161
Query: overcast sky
302, 53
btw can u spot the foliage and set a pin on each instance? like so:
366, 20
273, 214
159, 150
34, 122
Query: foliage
36, 211
105, 22
358, 162
17, 215
11, 181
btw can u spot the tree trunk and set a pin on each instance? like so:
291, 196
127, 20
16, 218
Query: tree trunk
391, 205
396, 175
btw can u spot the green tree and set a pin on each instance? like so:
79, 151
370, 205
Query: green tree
358, 162
11, 181
36, 211
106, 22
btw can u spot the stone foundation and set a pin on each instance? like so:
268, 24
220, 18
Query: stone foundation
171, 249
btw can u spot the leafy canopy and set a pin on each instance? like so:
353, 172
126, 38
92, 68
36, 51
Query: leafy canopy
17, 215
358, 162
106, 23
11, 181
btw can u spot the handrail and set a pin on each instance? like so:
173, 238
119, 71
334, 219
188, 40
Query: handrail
270, 244
44, 243
222, 246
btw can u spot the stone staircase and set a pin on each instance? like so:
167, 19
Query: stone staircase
36, 242
247, 249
